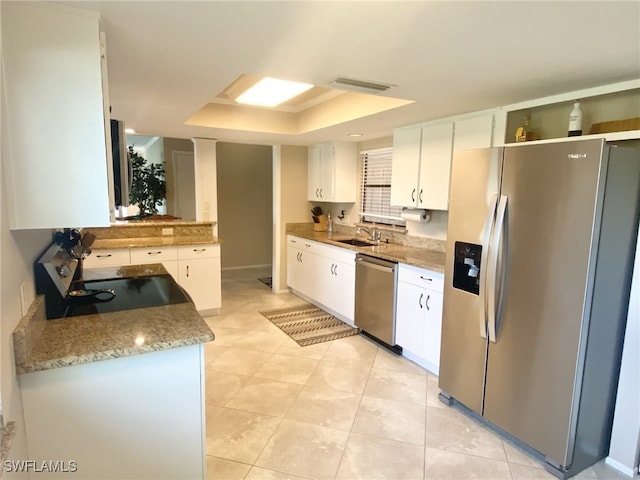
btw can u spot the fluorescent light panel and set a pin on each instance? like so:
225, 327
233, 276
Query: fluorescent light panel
270, 92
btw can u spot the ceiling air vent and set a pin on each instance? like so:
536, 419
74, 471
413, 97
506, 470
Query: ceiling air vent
361, 84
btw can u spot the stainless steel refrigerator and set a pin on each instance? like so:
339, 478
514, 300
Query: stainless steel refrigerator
539, 255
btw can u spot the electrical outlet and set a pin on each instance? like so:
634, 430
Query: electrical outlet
26, 296
167, 231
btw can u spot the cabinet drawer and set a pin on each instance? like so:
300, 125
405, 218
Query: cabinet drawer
335, 253
153, 255
107, 258
295, 242
188, 252
421, 277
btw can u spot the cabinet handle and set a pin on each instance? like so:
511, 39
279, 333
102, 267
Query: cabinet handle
293, 241
155, 253
307, 245
199, 250
426, 303
187, 270
320, 193
413, 195
317, 193
300, 256
420, 196
420, 300
104, 256
426, 279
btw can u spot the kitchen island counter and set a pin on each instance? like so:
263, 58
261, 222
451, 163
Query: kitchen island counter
41, 344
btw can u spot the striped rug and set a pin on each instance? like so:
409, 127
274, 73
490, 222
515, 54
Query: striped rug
308, 325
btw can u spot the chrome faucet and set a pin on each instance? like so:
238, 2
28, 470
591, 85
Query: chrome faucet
374, 234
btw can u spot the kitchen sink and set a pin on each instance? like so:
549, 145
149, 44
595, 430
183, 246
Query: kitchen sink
356, 242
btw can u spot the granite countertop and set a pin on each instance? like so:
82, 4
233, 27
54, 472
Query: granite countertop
417, 257
41, 344
168, 241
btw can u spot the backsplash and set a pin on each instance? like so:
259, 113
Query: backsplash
143, 229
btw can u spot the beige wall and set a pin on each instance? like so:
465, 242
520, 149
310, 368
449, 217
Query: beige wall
245, 191
290, 180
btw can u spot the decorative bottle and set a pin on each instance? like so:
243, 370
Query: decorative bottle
525, 133
575, 120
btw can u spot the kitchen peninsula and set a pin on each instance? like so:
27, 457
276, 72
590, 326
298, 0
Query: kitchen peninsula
119, 393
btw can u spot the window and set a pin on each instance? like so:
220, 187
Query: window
375, 194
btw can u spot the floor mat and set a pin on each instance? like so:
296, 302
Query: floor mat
308, 325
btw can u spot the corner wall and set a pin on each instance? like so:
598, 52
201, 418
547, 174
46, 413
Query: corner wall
290, 204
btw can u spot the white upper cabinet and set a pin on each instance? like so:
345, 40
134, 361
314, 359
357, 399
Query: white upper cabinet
471, 133
54, 140
332, 172
421, 166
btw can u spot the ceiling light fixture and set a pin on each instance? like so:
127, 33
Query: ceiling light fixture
354, 135
270, 92
129, 131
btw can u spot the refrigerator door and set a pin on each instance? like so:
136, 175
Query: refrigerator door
534, 368
472, 203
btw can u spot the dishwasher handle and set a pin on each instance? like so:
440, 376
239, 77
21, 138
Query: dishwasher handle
382, 268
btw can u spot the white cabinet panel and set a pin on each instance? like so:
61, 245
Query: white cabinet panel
108, 258
435, 167
324, 274
54, 139
470, 133
419, 315
406, 165
421, 166
332, 172
141, 416
199, 274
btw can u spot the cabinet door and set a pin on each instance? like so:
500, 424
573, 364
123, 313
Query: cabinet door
313, 173
435, 167
406, 166
410, 318
473, 133
54, 125
432, 328
295, 277
344, 172
343, 288
326, 168
201, 279
107, 257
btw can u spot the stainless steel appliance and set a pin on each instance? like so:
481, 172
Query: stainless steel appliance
376, 299
540, 248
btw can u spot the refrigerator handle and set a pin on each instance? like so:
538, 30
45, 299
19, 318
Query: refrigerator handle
484, 258
494, 296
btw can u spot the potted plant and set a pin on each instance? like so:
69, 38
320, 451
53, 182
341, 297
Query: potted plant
148, 185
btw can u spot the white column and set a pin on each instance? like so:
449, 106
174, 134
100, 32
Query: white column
624, 451
204, 151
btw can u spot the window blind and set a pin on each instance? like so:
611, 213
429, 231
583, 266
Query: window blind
375, 192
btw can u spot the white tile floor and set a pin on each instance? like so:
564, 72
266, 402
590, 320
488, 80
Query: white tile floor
344, 410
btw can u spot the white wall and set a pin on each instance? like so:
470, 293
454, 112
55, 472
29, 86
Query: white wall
624, 453
204, 150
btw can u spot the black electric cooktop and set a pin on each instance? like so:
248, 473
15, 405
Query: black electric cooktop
130, 293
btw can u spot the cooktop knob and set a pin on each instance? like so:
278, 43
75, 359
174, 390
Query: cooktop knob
64, 270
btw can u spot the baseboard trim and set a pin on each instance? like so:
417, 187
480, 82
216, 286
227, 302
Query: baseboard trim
629, 472
246, 267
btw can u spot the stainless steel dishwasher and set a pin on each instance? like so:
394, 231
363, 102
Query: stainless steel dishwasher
376, 299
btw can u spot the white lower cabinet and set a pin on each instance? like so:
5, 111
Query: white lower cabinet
195, 267
167, 256
419, 315
199, 275
323, 275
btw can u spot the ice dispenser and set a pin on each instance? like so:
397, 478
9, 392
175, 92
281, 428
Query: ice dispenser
466, 267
